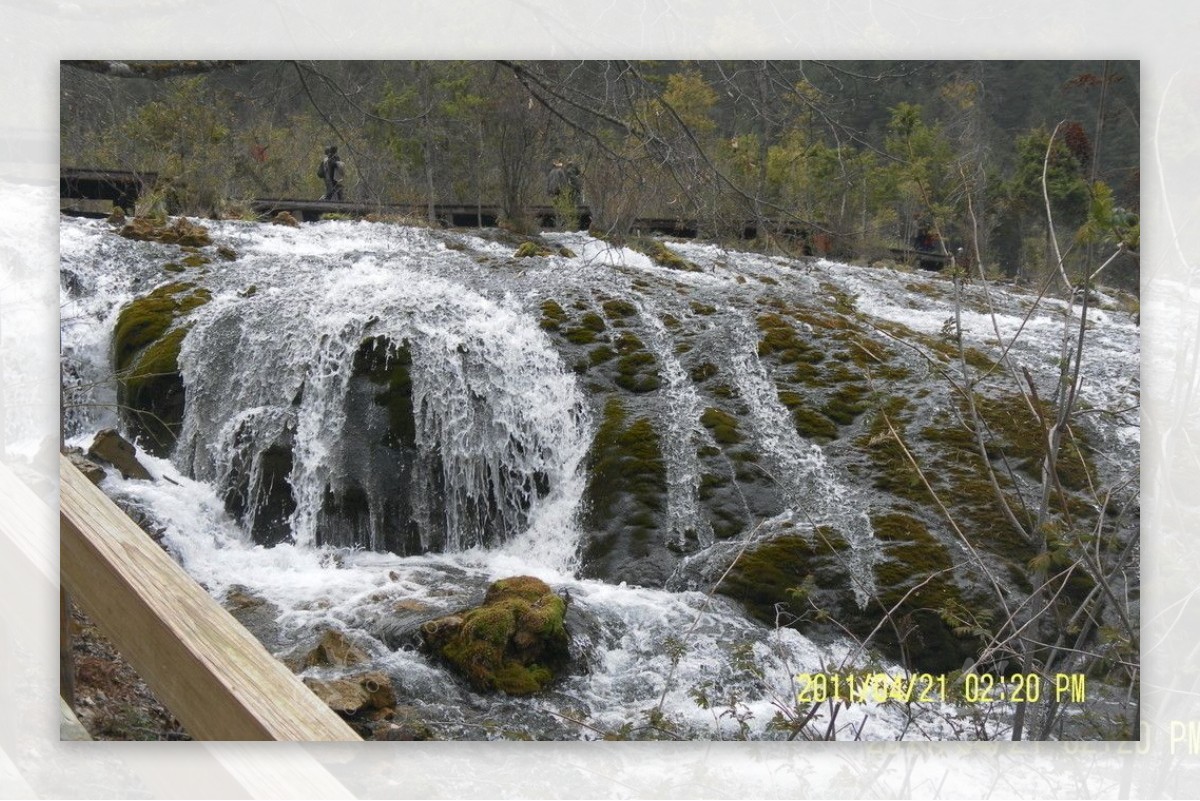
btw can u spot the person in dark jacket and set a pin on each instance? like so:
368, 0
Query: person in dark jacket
556, 181
333, 171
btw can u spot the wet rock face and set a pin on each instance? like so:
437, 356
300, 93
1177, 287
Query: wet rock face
626, 500
111, 447
701, 404
515, 642
146, 344
373, 505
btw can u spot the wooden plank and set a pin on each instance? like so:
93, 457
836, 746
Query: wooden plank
208, 670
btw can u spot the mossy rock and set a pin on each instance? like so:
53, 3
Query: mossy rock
703, 372
601, 354
663, 256
781, 341
180, 232
776, 576
146, 342
810, 423
516, 642
916, 584
580, 335
637, 369
618, 310
846, 403
531, 249
626, 494
638, 373
724, 426
626, 458
553, 315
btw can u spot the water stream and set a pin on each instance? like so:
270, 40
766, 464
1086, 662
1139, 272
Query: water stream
284, 420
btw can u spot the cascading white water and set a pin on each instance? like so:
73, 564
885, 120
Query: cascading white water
501, 428
680, 421
495, 412
799, 466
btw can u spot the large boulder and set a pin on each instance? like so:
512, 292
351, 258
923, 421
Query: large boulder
515, 642
109, 446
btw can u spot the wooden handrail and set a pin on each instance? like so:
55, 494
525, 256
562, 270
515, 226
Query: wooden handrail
201, 663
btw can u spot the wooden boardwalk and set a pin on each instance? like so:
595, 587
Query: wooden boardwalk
89, 192
213, 675
121, 187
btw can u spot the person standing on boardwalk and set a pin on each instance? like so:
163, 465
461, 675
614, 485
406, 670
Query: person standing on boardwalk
333, 171
556, 182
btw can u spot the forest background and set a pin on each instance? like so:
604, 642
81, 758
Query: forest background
855, 155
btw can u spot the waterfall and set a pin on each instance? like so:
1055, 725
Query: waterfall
798, 466
381, 421
498, 426
681, 413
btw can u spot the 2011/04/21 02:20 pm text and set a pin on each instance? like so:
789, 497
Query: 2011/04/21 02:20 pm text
972, 688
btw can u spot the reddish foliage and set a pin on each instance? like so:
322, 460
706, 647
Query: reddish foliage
1078, 143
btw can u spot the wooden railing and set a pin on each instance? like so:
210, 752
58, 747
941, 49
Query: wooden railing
201, 663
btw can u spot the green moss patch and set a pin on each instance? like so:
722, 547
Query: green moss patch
663, 256
724, 426
530, 249
627, 470
146, 344
637, 369
181, 232
779, 339
553, 315
618, 310
916, 585
771, 578
515, 642
810, 423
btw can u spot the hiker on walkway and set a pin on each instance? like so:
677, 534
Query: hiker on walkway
333, 171
556, 181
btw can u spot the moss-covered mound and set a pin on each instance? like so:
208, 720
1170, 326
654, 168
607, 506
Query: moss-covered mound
528, 249
775, 579
180, 232
801, 581
663, 256
515, 642
627, 486
146, 345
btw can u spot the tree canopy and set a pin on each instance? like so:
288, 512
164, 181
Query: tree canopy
862, 152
